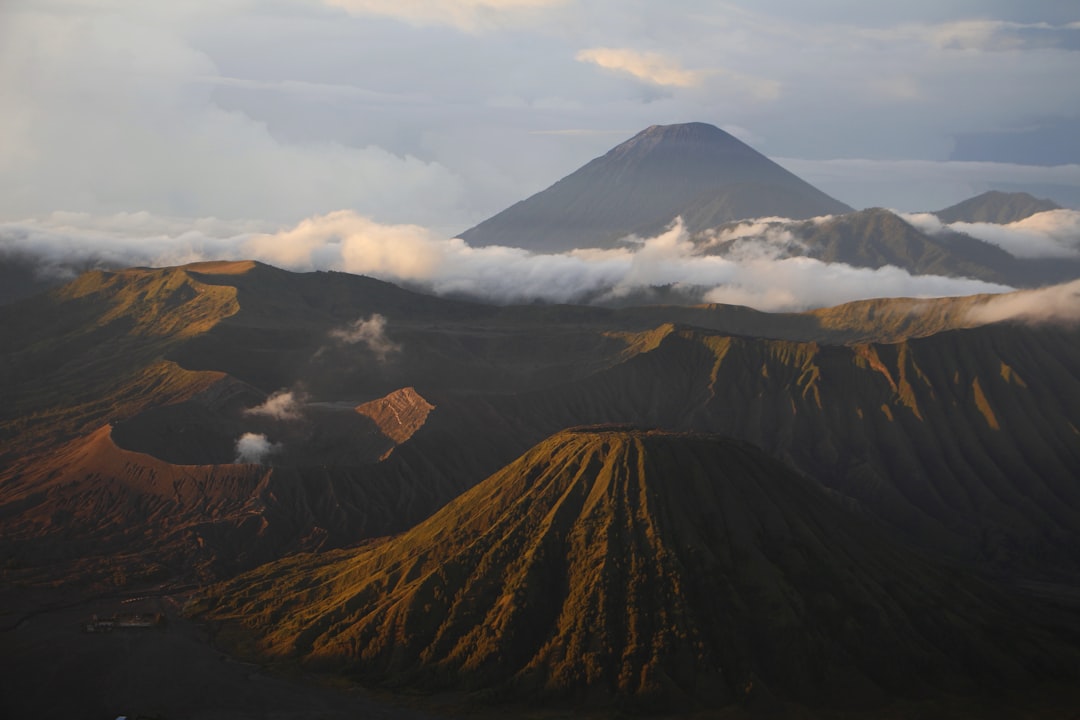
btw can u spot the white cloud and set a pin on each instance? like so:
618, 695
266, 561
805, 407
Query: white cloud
1053, 233
255, 448
648, 66
999, 36
757, 273
352, 242
281, 405
799, 283
62, 241
470, 15
1060, 303
109, 111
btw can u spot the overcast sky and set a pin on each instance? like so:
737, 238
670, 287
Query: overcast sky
440, 113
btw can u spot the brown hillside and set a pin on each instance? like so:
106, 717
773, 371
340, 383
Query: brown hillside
399, 414
643, 567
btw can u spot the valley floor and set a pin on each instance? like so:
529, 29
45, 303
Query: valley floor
51, 668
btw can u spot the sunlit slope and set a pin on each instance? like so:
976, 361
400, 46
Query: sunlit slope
613, 564
96, 350
93, 514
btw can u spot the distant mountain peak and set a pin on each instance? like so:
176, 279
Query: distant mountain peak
695, 171
696, 137
684, 131
997, 207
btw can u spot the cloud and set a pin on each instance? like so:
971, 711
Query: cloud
1059, 303
651, 67
255, 448
349, 241
761, 239
799, 283
757, 275
469, 15
371, 332
285, 110
756, 266
66, 243
1049, 234
88, 129
1000, 36
281, 405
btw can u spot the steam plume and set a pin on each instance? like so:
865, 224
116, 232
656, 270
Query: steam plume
371, 332
282, 405
255, 448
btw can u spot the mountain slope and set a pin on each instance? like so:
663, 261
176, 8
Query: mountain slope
964, 442
177, 360
694, 170
615, 564
996, 207
876, 238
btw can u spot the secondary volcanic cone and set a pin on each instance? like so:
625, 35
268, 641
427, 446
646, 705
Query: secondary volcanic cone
612, 564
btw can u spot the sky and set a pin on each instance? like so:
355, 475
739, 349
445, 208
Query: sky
256, 115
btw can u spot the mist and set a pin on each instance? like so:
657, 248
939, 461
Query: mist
1059, 304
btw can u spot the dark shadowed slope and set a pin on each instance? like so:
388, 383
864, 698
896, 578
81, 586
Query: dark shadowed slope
695, 171
996, 207
609, 564
965, 442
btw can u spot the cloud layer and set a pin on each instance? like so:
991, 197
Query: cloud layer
1050, 234
759, 272
1060, 303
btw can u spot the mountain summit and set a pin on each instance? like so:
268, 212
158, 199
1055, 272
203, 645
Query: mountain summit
694, 170
996, 207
